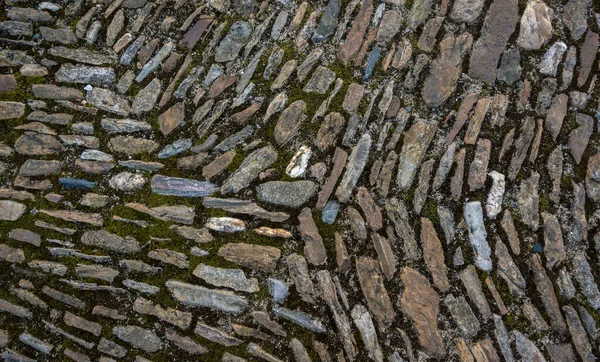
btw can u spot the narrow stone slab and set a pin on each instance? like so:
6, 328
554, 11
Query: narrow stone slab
106, 240
177, 213
198, 296
445, 69
354, 168
139, 337
244, 207
421, 303
253, 256
183, 187
253, 164
371, 284
76, 216
473, 214
229, 278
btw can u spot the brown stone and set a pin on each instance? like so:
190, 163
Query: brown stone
330, 128
339, 161
433, 253
369, 207
314, 249
385, 254
421, 304
556, 114
587, 57
220, 85
371, 284
253, 256
351, 45
353, 97
498, 26
171, 118
218, 164
445, 69
545, 289
193, 35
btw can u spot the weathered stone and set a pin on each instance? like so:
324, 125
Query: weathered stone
35, 144
328, 21
300, 318
463, 315
109, 101
445, 70
10, 110
98, 76
253, 164
298, 271
434, 255
356, 164
587, 57
289, 194
144, 339
252, 256
289, 122
536, 25
176, 213
171, 118
362, 320
238, 36
478, 168
351, 45
244, 207
106, 240
582, 272
176, 186
11, 255
421, 304
546, 290
471, 281
371, 284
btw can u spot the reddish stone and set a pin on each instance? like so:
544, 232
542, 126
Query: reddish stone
190, 39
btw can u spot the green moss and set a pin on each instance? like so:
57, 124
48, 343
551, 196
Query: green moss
327, 233
236, 162
544, 203
514, 320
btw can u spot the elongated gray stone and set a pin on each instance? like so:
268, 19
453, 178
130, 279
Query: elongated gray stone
98, 76
229, 278
244, 207
139, 337
252, 165
106, 240
354, 168
198, 296
478, 235
184, 187
288, 194
153, 63
416, 142
300, 318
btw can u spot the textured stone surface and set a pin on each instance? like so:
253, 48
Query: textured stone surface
242, 180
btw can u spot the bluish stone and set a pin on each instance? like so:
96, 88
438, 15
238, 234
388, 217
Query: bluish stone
330, 212
537, 248
184, 187
328, 21
75, 183
175, 148
278, 289
373, 57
